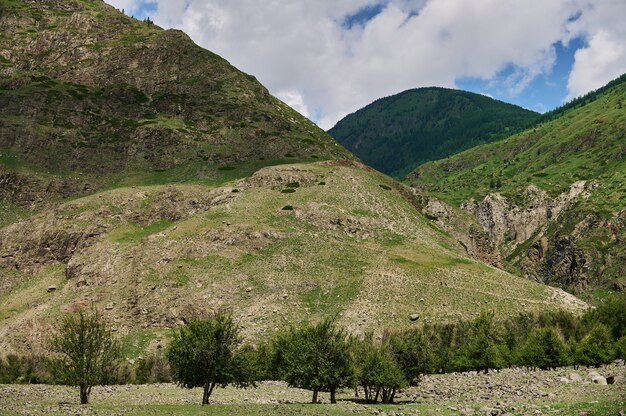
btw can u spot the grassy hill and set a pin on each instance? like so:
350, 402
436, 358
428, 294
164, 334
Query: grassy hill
398, 133
291, 243
564, 179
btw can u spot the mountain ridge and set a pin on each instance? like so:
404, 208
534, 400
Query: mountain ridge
395, 134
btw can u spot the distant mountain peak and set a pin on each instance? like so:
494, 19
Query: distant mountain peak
397, 133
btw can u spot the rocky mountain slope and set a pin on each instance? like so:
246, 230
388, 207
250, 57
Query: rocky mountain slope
552, 198
87, 91
133, 181
395, 134
290, 243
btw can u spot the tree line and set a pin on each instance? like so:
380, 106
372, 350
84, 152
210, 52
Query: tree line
209, 352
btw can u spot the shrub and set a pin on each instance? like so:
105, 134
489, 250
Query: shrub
153, 369
315, 358
203, 354
544, 349
620, 349
596, 349
376, 371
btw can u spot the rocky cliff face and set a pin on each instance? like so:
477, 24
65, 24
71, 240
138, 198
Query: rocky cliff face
549, 240
509, 224
477, 242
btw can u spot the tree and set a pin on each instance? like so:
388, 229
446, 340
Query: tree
612, 313
620, 349
315, 358
481, 349
88, 352
545, 350
376, 370
412, 353
203, 354
596, 349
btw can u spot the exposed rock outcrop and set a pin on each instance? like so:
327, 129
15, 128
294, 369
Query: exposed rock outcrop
550, 240
509, 224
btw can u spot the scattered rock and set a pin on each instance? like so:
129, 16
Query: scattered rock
51, 289
108, 306
414, 317
619, 379
575, 377
599, 380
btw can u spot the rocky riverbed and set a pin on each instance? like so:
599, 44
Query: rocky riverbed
565, 391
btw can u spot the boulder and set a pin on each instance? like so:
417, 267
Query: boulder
619, 379
51, 289
414, 317
599, 380
575, 378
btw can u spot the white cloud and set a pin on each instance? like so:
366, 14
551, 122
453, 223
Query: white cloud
129, 6
604, 57
295, 100
301, 51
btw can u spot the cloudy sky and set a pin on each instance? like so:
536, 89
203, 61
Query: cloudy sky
328, 58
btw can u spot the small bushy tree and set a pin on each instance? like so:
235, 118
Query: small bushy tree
376, 370
412, 353
153, 369
87, 353
315, 358
481, 348
204, 354
612, 313
620, 349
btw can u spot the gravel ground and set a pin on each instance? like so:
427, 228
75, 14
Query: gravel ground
513, 391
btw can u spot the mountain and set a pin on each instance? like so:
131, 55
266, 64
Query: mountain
146, 177
90, 98
398, 133
552, 197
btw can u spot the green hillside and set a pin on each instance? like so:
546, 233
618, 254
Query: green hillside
90, 98
398, 133
583, 145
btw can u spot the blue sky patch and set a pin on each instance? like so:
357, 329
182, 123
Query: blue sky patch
544, 93
362, 16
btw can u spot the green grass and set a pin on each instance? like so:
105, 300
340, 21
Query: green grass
133, 233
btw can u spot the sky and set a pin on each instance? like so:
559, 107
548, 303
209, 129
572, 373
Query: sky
328, 58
